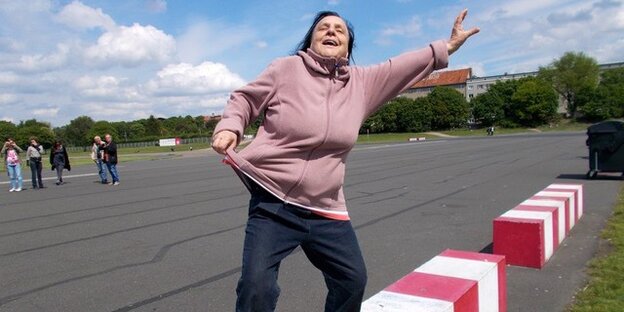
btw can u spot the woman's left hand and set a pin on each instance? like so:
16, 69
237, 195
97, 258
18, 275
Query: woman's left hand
458, 34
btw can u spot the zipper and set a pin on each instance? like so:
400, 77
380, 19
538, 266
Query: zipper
331, 81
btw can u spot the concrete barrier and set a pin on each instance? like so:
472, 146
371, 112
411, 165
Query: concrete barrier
578, 195
568, 197
526, 235
530, 233
452, 281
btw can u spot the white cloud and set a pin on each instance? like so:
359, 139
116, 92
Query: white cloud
41, 62
477, 68
7, 98
333, 2
132, 46
185, 79
261, 44
204, 40
409, 29
46, 113
107, 88
157, 6
121, 110
79, 16
8, 78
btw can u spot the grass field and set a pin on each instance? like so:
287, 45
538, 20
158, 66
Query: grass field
605, 290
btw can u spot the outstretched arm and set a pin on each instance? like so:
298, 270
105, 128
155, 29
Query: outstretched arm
458, 34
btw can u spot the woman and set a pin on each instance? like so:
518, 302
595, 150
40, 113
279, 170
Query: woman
11, 152
313, 104
59, 161
33, 153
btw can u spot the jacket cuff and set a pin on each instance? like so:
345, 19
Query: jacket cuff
231, 125
440, 54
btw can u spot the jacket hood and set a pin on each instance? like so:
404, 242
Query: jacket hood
326, 65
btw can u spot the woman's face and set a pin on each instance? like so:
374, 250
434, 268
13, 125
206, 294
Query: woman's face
331, 38
33, 142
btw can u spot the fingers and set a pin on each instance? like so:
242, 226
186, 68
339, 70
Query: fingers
224, 141
460, 18
473, 31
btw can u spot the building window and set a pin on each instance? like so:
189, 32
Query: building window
470, 87
480, 87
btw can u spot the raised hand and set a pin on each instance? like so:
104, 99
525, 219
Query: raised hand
458, 34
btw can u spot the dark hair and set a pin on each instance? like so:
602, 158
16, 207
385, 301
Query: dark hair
307, 40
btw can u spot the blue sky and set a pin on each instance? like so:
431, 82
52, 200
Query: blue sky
128, 59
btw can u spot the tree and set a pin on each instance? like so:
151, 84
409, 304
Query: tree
76, 129
488, 108
413, 115
33, 128
569, 75
7, 129
449, 108
606, 100
534, 103
101, 128
384, 120
153, 126
137, 130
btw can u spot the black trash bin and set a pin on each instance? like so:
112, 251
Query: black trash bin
606, 153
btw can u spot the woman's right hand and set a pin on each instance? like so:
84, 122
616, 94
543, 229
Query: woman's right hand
223, 141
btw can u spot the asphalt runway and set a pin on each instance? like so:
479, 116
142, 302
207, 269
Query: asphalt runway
169, 238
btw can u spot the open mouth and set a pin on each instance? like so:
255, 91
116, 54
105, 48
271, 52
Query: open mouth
330, 42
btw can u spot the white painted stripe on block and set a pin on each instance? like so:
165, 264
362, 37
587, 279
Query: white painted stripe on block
386, 301
560, 212
576, 187
485, 273
537, 215
570, 196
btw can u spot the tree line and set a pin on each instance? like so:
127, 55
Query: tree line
590, 95
81, 130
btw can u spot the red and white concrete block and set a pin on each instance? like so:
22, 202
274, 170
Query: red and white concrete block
526, 235
530, 233
577, 189
453, 281
568, 198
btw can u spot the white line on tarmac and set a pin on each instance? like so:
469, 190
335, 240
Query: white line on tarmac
54, 178
397, 144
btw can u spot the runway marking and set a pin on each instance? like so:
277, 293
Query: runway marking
54, 178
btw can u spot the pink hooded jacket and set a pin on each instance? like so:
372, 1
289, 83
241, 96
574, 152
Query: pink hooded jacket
313, 109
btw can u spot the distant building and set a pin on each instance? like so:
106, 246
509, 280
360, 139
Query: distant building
213, 117
478, 85
471, 86
455, 79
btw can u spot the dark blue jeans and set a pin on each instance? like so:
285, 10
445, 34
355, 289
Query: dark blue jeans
274, 230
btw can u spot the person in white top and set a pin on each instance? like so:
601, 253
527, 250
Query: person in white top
33, 155
97, 155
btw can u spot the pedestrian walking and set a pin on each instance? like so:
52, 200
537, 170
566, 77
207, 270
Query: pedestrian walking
59, 160
11, 152
33, 154
110, 158
97, 155
313, 104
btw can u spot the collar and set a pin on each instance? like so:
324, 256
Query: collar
338, 68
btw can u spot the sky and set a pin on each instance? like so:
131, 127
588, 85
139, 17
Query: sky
122, 60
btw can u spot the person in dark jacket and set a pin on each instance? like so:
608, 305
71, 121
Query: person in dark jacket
110, 158
59, 161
